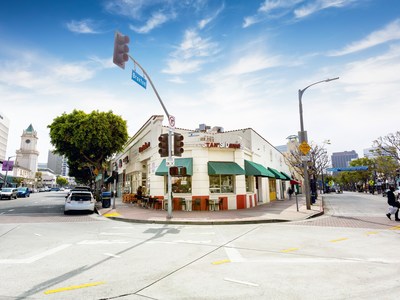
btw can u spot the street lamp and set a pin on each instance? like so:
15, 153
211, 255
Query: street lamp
5, 177
303, 138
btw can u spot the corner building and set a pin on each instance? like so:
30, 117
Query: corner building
239, 167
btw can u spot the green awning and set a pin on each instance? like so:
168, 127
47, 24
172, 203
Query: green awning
286, 176
162, 169
277, 174
224, 168
255, 169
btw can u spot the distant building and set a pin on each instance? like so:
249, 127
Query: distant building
342, 159
58, 164
4, 125
370, 153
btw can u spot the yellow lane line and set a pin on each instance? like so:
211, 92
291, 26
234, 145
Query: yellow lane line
395, 227
220, 262
73, 287
372, 232
289, 250
338, 240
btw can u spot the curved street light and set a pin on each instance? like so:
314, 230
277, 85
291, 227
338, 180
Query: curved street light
303, 138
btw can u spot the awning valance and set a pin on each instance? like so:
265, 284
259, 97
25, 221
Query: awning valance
255, 169
286, 176
277, 174
162, 169
294, 182
224, 168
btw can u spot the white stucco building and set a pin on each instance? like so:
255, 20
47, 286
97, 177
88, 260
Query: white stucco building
238, 166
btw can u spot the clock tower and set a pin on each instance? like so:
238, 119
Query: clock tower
27, 155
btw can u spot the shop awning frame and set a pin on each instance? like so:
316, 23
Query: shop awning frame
255, 169
286, 176
277, 174
186, 162
224, 168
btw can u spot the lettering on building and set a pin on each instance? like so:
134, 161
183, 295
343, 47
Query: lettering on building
222, 145
144, 147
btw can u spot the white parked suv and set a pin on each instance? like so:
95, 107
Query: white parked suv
8, 193
79, 201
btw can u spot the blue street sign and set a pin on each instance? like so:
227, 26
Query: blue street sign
139, 79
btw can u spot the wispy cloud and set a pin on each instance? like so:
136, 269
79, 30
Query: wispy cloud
319, 5
83, 26
204, 22
296, 9
188, 58
389, 33
252, 63
156, 20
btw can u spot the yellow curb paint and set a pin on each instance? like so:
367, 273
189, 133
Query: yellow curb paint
114, 214
338, 240
74, 287
289, 250
220, 262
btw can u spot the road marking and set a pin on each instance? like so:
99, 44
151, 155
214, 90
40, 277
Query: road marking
192, 242
233, 254
11, 210
38, 234
395, 227
289, 250
73, 287
241, 282
35, 257
112, 255
372, 232
104, 242
338, 240
220, 262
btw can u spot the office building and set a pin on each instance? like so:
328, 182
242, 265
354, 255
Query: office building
4, 126
342, 159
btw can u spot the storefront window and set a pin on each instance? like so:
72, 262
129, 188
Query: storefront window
221, 184
249, 184
181, 184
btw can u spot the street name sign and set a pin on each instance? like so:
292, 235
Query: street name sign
139, 79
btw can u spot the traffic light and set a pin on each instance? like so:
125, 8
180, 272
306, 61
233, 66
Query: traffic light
163, 145
121, 49
178, 144
173, 171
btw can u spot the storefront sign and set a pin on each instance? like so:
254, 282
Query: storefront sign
144, 147
222, 145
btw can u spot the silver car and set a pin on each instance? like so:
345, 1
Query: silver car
8, 193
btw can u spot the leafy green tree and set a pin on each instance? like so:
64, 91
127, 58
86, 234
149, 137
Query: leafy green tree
61, 181
88, 140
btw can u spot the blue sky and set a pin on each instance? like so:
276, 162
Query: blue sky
235, 64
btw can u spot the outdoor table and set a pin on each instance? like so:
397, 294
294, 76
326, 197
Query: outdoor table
188, 204
213, 203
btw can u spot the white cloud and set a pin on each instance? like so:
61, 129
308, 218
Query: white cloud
84, 26
389, 33
319, 5
188, 56
252, 63
155, 21
204, 22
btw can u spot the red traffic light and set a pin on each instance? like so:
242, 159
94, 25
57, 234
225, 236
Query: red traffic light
121, 49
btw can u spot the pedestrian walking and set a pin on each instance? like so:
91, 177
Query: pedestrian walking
290, 192
393, 202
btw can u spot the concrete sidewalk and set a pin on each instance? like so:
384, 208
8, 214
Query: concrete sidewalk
276, 211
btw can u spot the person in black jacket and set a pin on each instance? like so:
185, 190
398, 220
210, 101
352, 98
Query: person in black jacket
393, 202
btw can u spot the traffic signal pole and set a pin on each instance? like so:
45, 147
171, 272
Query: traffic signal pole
169, 216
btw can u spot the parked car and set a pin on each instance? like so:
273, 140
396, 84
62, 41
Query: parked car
8, 193
23, 192
79, 201
55, 189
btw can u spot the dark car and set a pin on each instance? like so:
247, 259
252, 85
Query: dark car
23, 192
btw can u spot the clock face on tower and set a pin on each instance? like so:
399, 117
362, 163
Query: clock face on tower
27, 141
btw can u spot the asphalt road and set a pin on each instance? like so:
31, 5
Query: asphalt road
52, 256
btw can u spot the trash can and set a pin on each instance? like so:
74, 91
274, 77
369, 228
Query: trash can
106, 199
